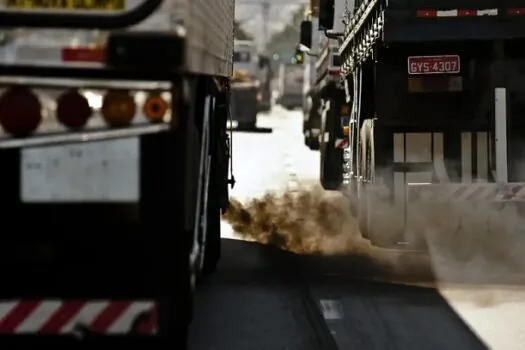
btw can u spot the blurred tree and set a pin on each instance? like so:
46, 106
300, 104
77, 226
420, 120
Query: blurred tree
286, 40
240, 33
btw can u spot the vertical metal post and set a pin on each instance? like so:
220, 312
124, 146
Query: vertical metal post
500, 122
266, 19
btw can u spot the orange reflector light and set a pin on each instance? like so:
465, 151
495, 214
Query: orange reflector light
118, 108
155, 108
20, 111
346, 130
345, 110
73, 109
83, 54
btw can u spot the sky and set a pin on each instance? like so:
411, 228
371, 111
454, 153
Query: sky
250, 13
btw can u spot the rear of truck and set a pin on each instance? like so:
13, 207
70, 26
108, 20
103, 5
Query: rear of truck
436, 131
290, 94
114, 155
264, 97
245, 85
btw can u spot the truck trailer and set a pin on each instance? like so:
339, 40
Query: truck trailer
311, 99
264, 97
291, 77
115, 156
437, 91
332, 107
245, 86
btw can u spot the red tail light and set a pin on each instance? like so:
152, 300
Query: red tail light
73, 110
20, 111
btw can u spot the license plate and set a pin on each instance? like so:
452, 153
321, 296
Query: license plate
105, 171
447, 64
76, 5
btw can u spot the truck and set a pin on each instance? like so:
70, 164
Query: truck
265, 87
311, 99
115, 154
332, 108
437, 92
290, 85
245, 85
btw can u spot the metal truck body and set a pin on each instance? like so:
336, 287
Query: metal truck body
265, 88
332, 109
245, 85
116, 154
311, 99
435, 131
291, 78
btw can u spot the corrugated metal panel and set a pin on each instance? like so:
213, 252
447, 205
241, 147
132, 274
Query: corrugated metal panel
210, 36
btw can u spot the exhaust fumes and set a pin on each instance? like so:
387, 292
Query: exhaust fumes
319, 224
310, 221
481, 244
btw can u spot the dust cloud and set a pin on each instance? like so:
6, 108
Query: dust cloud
319, 223
481, 244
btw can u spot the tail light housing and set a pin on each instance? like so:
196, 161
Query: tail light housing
20, 111
155, 108
118, 108
73, 110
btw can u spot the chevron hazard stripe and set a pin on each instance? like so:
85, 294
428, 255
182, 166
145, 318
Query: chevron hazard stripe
74, 316
341, 143
489, 192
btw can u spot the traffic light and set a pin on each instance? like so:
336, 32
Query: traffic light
298, 57
326, 14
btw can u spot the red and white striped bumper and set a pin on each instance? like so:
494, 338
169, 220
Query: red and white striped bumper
72, 317
342, 143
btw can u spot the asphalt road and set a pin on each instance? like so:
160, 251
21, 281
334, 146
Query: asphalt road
265, 298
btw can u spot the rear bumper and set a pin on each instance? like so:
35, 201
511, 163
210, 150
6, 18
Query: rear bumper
77, 318
290, 100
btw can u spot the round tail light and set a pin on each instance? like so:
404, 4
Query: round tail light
118, 108
155, 108
20, 111
73, 110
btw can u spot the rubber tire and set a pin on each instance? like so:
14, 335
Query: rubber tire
330, 175
314, 144
212, 253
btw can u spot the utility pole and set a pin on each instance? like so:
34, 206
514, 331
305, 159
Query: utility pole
266, 20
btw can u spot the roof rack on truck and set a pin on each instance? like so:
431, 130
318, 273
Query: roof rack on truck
425, 21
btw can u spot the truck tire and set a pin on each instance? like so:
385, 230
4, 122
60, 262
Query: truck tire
314, 144
331, 157
365, 207
212, 252
208, 228
366, 149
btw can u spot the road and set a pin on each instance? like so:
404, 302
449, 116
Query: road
265, 298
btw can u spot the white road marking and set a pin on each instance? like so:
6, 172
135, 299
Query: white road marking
331, 309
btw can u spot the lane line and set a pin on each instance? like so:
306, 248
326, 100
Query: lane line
331, 309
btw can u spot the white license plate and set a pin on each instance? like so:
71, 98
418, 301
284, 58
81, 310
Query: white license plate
105, 171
